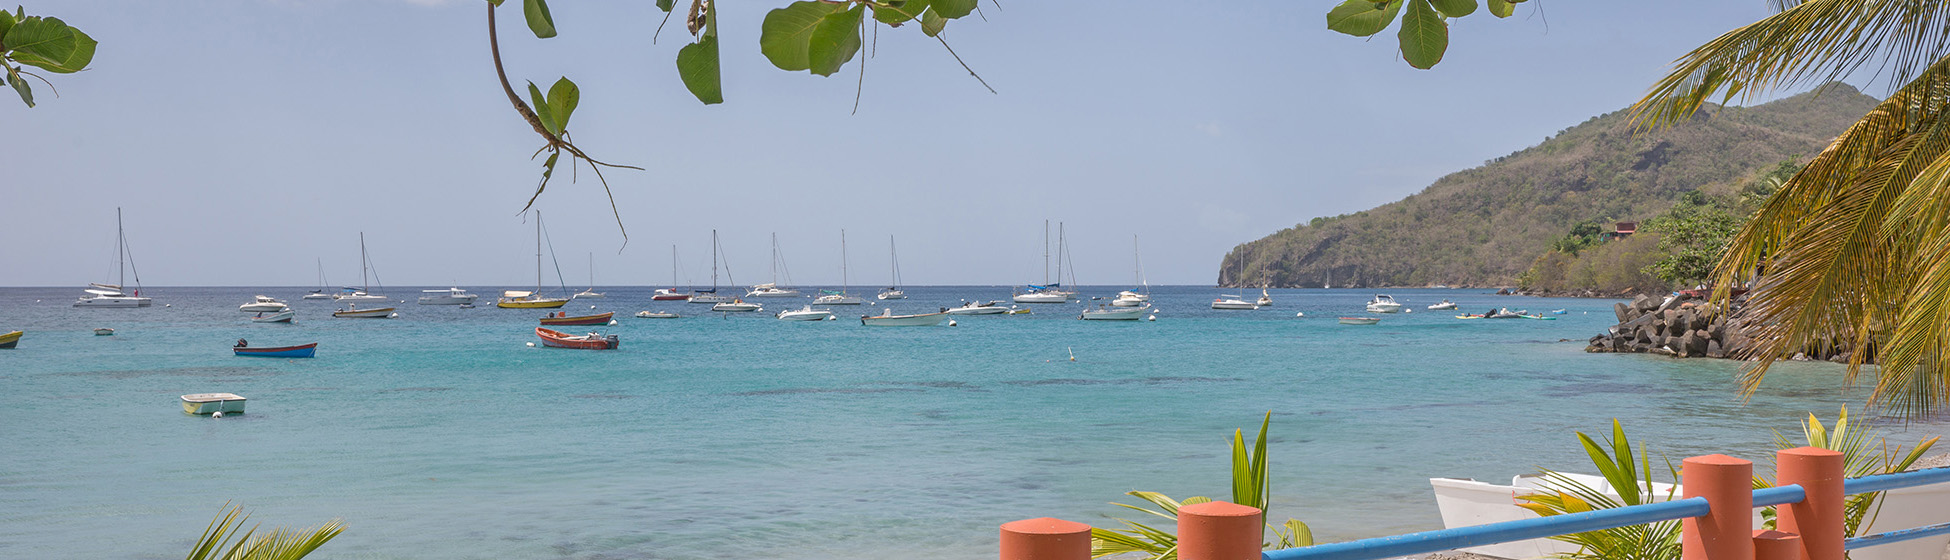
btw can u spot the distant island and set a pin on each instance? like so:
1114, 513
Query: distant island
1487, 226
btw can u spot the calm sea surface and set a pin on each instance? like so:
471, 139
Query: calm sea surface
442, 435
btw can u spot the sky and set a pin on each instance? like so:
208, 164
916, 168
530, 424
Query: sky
247, 140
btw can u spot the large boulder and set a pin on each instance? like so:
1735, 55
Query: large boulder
1624, 313
1715, 350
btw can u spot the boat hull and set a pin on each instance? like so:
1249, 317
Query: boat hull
773, 293
709, 298
736, 307
922, 320
544, 303
300, 351
1360, 320
380, 313
803, 315
656, 315
892, 294
669, 295
280, 317
113, 302
11, 339
448, 300
1234, 304
983, 309
1115, 314
598, 319
1042, 297
210, 403
839, 300
558, 339
362, 298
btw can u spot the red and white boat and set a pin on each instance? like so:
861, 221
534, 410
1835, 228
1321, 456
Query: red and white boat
563, 318
592, 341
669, 294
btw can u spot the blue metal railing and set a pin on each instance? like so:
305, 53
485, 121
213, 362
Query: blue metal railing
1508, 531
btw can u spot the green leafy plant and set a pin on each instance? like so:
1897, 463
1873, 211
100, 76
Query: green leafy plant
222, 540
1631, 480
1424, 33
46, 43
1864, 453
1249, 488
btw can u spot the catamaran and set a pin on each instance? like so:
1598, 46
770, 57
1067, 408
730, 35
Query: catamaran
829, 297
522, 299
110, 295
894, 261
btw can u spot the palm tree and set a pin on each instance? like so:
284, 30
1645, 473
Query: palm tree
221, 541
1855, 249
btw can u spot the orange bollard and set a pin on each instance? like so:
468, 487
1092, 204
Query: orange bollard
1819, 518
1218, 531
1045, 538
1776, 545
1726, 533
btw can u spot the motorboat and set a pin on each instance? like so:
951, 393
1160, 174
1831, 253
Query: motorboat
737, 306
264, 304
104, 331
979, 308
364, 293
1129, 298
1233, 302
592, 341
828, 297
1360, 320
524, 299
891, 293
771, 290
111, 295
887, 318
352, 311
318, 294
449, 296
1559, 311
1445, 305
299, 351
280, 317
1265, 299
9, 340
1112, 313
669, 294
806, 313
657, 315
702, 296
563, 318
1383, 303
215, 404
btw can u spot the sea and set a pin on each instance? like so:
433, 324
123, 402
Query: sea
448, 433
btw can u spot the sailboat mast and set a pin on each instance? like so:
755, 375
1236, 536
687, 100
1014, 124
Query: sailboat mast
714, 260
363, 278
1045, 252
894, 262
673, 265
775, 258
1060, 253
843, 279
538, 253
121, 246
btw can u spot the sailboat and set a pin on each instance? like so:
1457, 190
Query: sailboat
711, 296
364, 295
1231, 301
841, 297
322, 284
671, 294
110, 295
772, 289
1131, 298
1049, 292
520, 299
894, 291
591, 292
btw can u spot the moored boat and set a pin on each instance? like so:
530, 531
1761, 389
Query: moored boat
1265, 299
563, 318
299, 351
829, 297
979, 308
213, 403
592, 341
887, 318
737, 306
353, 312
657, 315
521, 299
806, 313
1233, 302
1383, 303
11, 339
1110, 313
1360, 320
104, 331
1446, 304
449, 296
669, 294
110, 295
264, 304
280, 317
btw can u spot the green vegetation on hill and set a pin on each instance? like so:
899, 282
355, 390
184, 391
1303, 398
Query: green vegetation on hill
1486, 226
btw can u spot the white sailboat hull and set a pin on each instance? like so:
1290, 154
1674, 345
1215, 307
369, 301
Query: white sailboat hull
892, 294
112, 301
1043, 297
1115, 313
839, 300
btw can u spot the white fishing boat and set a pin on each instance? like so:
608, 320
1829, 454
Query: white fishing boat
887, 318
213, 403
1113, 313
711, 296
280, 317
1383, 303
1360, 320
1446, 304
806, 313
737, 306
449, 296
1233, 302
773, 289
657, 315
979, 308
264, 304
352, 311
590, 293
363, 295
524, 299
111, 295
323, 285
894, 262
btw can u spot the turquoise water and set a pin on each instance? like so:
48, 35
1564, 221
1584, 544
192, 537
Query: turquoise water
442, 435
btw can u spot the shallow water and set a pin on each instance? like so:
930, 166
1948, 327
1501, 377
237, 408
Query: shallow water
441, 435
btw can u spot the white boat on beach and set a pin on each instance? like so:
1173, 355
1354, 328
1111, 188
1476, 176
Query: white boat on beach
1110, 313
1233, 302
806, 313
979, 308
111, 295
887, 318
1446, 304
449, 296
280, 317
1383, 303
264, 304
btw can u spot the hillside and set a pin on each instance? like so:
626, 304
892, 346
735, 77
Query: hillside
1486, 225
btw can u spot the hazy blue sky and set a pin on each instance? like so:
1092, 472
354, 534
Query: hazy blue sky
246, 138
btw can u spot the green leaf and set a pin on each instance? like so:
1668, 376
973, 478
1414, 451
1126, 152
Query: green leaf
538, 19
540, 105
1300, 533
697, 64
20, 86
1363, 18
1424, 35
666, 5
932, 23
897, 12
787, 32
1455, 8
495, 3
6, 22
952, 9
835, 41
1501, 8
51, 45
562, 100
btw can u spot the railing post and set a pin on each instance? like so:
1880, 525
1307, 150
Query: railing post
1819, 518
1727, 532
1218, 531
1045, 538
1776, 545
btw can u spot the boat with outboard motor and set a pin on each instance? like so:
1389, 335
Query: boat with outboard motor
1111, 313
887, 318
562, 318
592, 341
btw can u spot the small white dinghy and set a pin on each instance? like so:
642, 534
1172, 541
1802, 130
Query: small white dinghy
215, 404
806, 313
656, 315
887, 318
